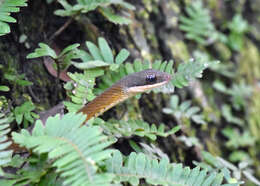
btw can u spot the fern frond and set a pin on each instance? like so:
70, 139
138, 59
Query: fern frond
75, 150
117, 19
245, 138
225, 69
4, 88
238, 92
151, 150
228, 115
134, 127
231, 173
5, 155
197, 24
31, 174
139, 166
64, 59
6, 8
238, 27
84, 6
189, 71
184, 110
23, 114
80, 88
100, 56
43, 50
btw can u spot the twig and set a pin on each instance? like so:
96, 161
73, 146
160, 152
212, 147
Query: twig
61, 29
33, 95
57, 109
57, 81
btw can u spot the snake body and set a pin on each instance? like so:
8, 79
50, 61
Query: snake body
128, 86
105, 101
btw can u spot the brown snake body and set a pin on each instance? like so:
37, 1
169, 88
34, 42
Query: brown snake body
125, 88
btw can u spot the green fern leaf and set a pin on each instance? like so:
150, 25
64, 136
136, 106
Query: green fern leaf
4, 88
184, 110
105, 50
100, 57
238, 92
117, 19
64, 59
75, 150
44, 50
158, 172
5, 155
94, 51
189, 71
90, 64
134, 127
68, 49
80, 88
197, 24
122, 56
83, 6
24, 113
6, 8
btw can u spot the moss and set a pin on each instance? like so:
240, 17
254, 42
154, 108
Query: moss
10, 68
3, 103
249, 57
174, 7
223, 52
254, 117
171, 12
187, 2
254, 127
133, 110
213, 4
217, 9
213, 146
255, 31
138, 34
148, 5
255, 5
179, 49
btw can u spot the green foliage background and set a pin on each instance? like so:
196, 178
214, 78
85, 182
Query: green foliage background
202, 129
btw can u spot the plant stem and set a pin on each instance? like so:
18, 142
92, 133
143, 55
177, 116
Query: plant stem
61, 29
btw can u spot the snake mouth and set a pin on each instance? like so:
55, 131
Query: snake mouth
144, 88
168, 78
139, 89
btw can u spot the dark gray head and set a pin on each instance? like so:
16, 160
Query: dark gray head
144, 80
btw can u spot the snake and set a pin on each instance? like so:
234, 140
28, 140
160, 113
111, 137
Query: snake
123, 89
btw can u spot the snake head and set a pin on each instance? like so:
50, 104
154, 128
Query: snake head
144, 80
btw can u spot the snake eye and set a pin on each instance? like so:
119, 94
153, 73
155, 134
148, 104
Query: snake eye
151, 78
